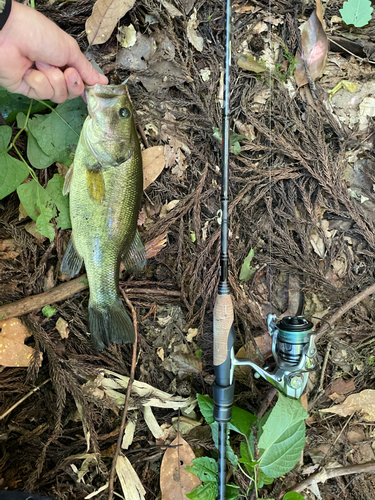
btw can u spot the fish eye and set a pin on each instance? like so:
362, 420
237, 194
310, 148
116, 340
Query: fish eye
124, 113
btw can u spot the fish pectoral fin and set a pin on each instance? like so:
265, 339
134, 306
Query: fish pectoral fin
135, 259
72, 261
95, 184
68, 180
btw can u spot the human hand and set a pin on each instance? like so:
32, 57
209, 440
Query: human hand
61, 68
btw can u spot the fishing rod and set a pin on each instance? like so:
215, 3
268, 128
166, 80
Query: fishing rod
293, 345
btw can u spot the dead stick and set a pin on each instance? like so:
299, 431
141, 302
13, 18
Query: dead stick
130, 384
345, 308
324, 475
63, 292
23, 399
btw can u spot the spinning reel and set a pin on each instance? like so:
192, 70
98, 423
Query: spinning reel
293, 349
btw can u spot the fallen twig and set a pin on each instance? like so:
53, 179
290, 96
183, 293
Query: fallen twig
130, 384
325, 474
63, 292
344, 309
23, 399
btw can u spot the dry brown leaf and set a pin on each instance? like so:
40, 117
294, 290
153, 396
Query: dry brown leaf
105, 15
363, 403
175, 481
153, 164
249, 63
13, 351
186, 363
193, 37
172, 10
314, 48
154, 246
33, 230
340, 387
62, 328
9, 249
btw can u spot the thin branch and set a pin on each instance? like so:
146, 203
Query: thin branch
324, 475
127, 398
344, 309
23, 399
66, 290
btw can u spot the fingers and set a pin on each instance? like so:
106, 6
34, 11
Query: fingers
49, 82
88, 73
74, 83
35, 85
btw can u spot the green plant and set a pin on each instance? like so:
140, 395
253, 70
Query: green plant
234, 139
51, 137
356, 12
292, 64
270, 447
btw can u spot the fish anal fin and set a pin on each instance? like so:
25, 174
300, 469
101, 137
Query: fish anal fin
95, 183
68, 180
72, 261
135, 259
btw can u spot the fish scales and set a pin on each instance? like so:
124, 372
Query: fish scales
106, 186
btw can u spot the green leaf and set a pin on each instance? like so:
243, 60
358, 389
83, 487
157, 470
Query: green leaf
283, 437
357, 12
263, 479
40, 204
198, 353
233, 137
232, 457
204, 467
241, 421
47, 212
231, 491
206, 406
54, 189
11, 104
246, 458
33, 196
236, 148
207, 491
53, 137
48, 311
247, 272
293, 495
13, 171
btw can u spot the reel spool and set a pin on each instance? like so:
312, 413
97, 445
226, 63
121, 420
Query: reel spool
293, 349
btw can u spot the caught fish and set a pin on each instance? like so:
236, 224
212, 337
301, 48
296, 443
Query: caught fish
105, 184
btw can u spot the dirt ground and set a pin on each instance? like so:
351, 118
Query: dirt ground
301, 196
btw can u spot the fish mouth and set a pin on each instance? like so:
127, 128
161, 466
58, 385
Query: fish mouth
103, 96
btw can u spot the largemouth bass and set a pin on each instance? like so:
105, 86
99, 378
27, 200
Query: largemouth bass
105, 185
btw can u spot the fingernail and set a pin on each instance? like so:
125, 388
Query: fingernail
28, 72
43, 65
73, 78
103, 79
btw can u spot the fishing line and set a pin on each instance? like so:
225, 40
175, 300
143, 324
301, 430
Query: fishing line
270, 146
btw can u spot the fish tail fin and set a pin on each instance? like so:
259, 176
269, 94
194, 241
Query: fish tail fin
110, 323
72, 261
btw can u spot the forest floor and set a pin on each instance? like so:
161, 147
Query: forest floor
302, 198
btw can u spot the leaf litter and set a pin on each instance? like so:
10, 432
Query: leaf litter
317, 214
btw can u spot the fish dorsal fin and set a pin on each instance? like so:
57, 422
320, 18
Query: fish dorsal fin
68, 180
135, 259
95, 184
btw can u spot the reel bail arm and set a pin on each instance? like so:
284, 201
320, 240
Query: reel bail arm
293, 349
